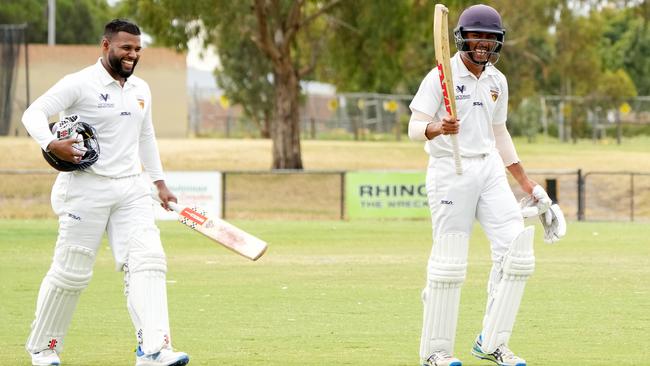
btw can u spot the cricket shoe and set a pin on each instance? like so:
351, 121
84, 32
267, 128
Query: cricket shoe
47, 357
442, 358
502, 356
166, 357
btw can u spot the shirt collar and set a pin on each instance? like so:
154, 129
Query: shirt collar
107, 79
461, 70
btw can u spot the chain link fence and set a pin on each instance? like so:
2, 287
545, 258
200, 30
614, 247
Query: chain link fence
347, 116
373, 116
572, 117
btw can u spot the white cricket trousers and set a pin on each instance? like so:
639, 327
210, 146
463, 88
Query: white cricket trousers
482, 192
87, 206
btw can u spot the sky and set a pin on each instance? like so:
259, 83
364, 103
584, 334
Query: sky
206, 60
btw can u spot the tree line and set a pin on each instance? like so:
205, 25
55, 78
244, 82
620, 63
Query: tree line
592, 48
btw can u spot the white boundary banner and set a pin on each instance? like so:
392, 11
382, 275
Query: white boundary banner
201, 188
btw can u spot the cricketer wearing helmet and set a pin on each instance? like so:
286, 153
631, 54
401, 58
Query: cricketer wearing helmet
481, 192
101, 148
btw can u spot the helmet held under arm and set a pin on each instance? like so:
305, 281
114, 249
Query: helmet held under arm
72, 127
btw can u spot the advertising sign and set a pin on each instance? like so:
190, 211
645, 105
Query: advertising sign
193, 188
386, 195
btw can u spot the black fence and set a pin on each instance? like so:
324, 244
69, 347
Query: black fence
12, 39
320, 195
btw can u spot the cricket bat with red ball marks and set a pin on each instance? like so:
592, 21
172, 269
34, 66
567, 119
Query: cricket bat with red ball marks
441, 44
224, 233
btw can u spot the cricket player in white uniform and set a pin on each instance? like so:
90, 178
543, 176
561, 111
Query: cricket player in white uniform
108, 196
481, 192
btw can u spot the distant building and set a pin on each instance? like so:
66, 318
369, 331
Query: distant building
164, 70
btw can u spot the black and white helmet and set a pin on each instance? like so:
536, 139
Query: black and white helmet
72, 127
482, 19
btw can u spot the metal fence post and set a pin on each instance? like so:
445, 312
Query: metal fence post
632, 196
581, 196
223, 195
342, 195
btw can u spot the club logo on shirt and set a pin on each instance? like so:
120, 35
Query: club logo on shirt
494, 91
104, 101
140, 101
460, 93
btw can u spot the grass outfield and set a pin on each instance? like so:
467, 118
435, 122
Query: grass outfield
341, 293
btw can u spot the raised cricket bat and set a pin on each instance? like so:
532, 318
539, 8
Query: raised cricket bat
219, 230
441, 44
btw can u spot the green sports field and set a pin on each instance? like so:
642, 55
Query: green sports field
341, 293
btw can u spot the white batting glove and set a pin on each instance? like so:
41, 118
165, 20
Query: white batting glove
66, 128
535, 204
554, 224
542, 198
79, 145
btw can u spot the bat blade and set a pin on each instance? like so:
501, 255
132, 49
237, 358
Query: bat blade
224, 233
441, 45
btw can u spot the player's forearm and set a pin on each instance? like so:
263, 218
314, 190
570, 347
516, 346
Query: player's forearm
148, 150
35, 122
504, 144
519, 174
422, 127
150, 158
58, 98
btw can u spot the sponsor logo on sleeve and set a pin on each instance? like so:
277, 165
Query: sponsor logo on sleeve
140, 101
494, 91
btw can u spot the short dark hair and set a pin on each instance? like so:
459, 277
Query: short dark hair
120, 25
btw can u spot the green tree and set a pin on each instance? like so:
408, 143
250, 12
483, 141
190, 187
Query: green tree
244, 74
527, 56
274, 27
577, 63
366, 45
247, 83
77, 21
626, 44
383, 46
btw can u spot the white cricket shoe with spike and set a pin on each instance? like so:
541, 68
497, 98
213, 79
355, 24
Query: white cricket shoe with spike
502, 356
442, 358
47, 357
166, 357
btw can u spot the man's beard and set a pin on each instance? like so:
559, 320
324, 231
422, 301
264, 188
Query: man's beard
116, 65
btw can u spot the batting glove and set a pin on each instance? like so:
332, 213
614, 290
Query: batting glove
554, 224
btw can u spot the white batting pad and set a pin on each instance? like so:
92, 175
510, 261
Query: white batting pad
503, 303
446, 271
146, 291
69, 274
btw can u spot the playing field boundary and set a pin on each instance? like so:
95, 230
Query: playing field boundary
320, 194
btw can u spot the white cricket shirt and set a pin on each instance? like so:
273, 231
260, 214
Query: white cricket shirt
479, 104
121, 116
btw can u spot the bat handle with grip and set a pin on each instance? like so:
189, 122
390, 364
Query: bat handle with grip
456, 153
173, 205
